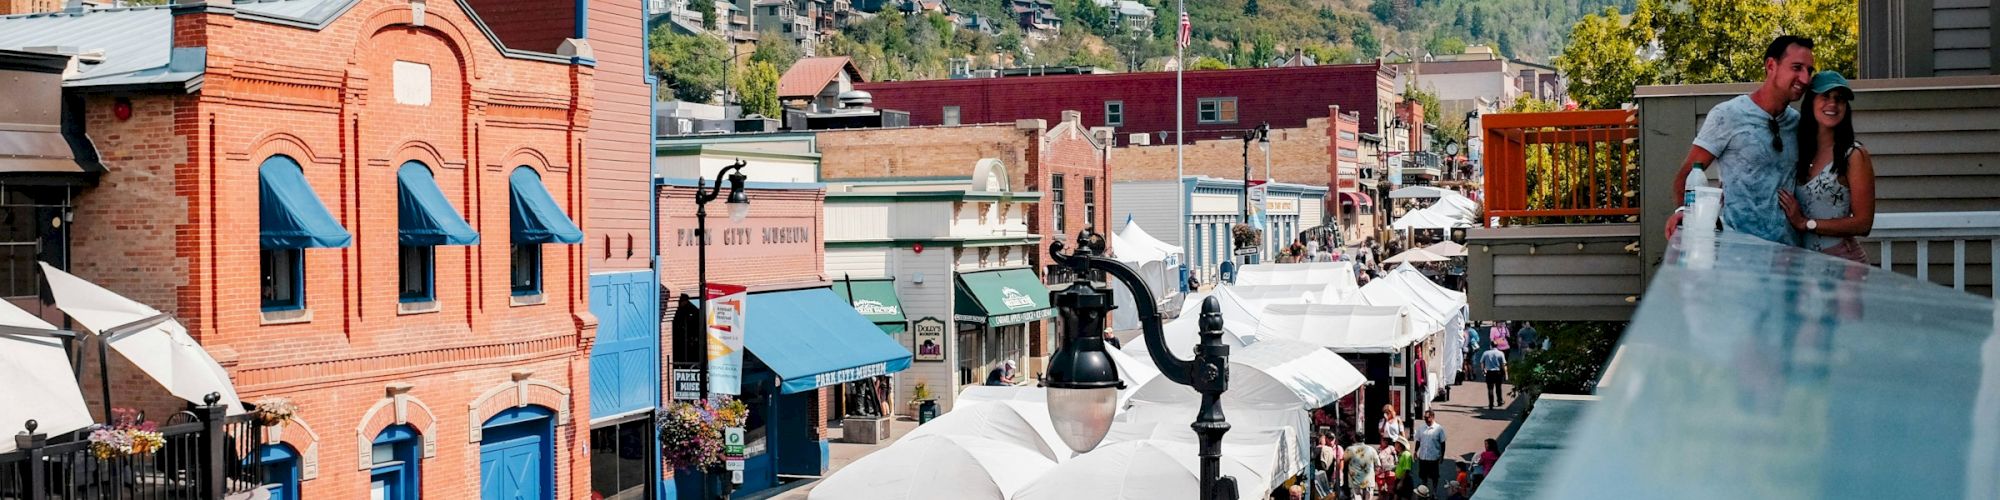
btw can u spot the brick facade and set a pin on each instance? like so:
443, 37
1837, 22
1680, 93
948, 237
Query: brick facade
11, 7
620, 144
1298, 155
174, 224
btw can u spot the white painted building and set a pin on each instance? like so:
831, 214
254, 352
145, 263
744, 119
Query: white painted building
958, 254
1213, 206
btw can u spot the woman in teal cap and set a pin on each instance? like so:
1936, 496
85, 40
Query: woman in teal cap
1835, 199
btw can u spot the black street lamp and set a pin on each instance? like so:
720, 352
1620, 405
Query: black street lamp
739, 208
1262, 136
1083, 382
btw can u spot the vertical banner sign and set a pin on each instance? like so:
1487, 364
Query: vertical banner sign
1395, 170
725, 338
1258, 194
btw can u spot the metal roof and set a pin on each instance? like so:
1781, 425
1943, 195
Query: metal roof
136, 44
314, 14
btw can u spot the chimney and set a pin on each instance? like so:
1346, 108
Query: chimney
1072, 116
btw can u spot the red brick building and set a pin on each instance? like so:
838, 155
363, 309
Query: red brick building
1218, 103
472, 353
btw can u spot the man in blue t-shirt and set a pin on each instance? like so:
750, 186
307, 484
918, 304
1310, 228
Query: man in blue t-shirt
1494, 362
1750, 140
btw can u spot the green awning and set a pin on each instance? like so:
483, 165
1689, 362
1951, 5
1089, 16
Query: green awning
1003, 297
875, 300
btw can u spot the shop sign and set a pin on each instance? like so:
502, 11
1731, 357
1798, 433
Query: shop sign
929, 339
1014, 299
874, 308
687, 384
725, 337
850, 374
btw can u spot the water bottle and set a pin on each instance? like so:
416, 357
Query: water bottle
1694, 179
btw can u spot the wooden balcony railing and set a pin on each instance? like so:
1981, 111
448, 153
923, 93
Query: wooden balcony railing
1561, 167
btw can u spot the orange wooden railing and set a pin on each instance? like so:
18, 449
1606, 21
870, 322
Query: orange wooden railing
1566, 166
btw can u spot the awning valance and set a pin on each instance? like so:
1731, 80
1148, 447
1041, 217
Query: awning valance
423, 216
1003, 297
290, 213
812, 338
536, 216
875, 300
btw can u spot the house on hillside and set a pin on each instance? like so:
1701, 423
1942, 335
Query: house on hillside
818, 93
1127, 14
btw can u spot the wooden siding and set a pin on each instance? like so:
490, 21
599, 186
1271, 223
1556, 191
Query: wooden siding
1935, 143
1920, 38
1553, 273
618, 150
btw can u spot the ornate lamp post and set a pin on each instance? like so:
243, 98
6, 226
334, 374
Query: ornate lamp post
1083, 382
739, 208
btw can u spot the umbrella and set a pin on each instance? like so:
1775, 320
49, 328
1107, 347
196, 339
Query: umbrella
1416, 255
1020, 423
163, 350
1447, 249
36, 369
1147, 469
937, 466
1272, 373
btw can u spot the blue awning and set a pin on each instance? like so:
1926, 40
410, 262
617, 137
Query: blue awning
537, 217
423, 216
290, 215
813, 338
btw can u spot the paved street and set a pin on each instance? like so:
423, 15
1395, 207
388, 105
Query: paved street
1468, 423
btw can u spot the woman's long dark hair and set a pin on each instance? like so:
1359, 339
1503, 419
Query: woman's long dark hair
1808, 138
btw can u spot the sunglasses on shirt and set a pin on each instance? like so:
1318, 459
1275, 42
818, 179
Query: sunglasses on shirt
1777, 141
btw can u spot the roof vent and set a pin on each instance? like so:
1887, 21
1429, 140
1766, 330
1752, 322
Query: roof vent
856, 98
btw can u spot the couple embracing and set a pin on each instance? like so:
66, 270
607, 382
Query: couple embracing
1789, 175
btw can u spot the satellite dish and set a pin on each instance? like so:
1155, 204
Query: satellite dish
1451, 149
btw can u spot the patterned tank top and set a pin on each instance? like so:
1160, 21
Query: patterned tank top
1823, 197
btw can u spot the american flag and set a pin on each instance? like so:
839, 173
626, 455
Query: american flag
1186, 31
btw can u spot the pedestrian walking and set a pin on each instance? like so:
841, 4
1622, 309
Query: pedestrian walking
1531, 340
1392, 426
1487, 459
1430, 448
1494, 362
1361, 459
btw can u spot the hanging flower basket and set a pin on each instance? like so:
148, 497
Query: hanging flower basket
272, 411
1245, 236
691, 433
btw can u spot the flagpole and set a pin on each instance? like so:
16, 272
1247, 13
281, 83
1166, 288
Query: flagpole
1180, 124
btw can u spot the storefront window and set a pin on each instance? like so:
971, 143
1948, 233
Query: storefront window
619, 458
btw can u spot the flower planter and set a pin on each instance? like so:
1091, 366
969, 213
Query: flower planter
864, 430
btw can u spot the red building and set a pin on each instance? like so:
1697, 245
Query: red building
1218, 103
365, 206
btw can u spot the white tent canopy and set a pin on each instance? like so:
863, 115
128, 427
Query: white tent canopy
1339, 275
1274, 374
1419, 192
1149, 469
1415, 255
1239, 328
38, 384
1430, 218
1019, 423
1276, 443
936, 466
1135, 372
1158, 265
1134, 236
164, 351
1405, 286
1346, 328
1464, 207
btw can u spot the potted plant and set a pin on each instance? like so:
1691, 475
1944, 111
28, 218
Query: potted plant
274, 410
127, 435
1245, 236
918, 394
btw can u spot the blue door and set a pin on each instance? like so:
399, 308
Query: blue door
625, 362
515, 456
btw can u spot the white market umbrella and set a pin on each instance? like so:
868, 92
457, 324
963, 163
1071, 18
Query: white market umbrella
38, 381
1277, 443
938, 466
1272, 373
1023, 424
1468, 209
164, 350
1415, 255
1447, 248
1138, 470
1429, 218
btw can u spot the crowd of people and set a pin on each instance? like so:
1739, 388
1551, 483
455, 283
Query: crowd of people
1408, 464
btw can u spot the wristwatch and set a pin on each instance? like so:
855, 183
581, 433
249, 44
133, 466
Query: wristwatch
1812, 224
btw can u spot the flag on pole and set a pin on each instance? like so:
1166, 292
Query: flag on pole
1186, 31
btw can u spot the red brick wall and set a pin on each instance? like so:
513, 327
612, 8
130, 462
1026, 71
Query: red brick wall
1068, 149
619, 147
1285, 97
9, 7
1298, 155
174, 224
927, 151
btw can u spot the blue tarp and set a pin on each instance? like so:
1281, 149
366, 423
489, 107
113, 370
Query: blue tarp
290, 215
812, 338
537, 217
423, 216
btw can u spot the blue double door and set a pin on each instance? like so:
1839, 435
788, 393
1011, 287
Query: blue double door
516, 455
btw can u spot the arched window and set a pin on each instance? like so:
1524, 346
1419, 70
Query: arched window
536, 219
290, 220
425, 219
395, 472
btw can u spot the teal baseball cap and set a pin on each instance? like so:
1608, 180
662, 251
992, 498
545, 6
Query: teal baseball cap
1828, 81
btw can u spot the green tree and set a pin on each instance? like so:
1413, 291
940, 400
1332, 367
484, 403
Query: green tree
1261, 53
709, 14
758, 83
1207, 63
776, 49
1428, 99
1441, 44
1250, 8
1577, 353
690, 67
1675, 42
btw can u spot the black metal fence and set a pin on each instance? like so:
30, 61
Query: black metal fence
207, 456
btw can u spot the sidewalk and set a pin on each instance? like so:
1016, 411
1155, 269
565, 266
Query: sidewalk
1468, 423
839, 454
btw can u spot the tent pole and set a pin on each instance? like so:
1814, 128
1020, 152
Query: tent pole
104, 374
